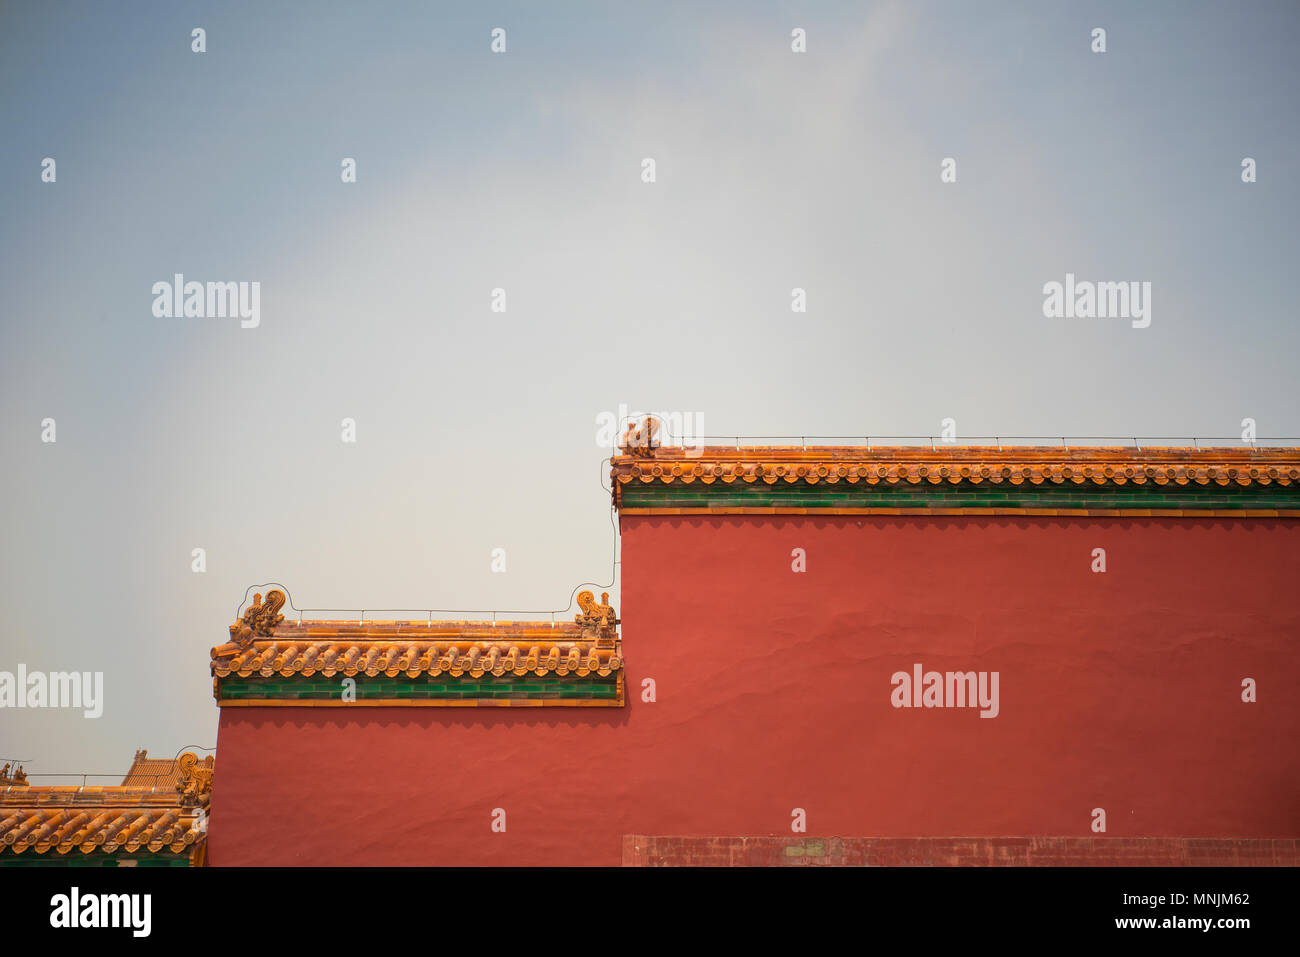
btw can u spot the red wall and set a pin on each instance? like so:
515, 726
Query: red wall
1119, 690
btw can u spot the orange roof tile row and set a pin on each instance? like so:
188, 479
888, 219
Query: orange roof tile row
108, 819
1016, 465
95, 828
373, 656
41, 795
342, 629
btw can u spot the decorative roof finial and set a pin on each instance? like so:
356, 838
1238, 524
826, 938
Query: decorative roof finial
195, 783
259, 620
642, 438
597, 619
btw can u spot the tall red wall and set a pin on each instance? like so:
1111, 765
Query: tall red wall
1119, 690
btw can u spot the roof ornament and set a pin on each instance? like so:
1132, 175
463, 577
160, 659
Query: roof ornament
642, 438
18, 779
259, 620
597, 619
195, 783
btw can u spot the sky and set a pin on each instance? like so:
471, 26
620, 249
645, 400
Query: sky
523, 171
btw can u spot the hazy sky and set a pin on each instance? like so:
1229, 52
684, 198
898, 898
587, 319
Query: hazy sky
523, 171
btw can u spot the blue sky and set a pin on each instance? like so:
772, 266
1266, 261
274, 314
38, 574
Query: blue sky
475, 429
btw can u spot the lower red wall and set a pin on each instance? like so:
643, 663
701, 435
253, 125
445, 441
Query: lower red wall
1119, 690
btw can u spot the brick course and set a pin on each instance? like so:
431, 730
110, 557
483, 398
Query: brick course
666, 851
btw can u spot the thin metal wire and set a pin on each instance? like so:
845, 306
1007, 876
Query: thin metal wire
869, 440
1124, 439
430, 612
740, 442
118, 774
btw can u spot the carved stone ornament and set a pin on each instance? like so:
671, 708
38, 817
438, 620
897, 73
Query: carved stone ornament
597, 619
259, 620
195, 783
642, 438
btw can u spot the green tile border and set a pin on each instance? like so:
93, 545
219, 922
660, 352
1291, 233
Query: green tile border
961, 495
443, 687
52, 858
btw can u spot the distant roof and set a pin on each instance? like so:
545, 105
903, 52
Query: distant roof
147, 772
